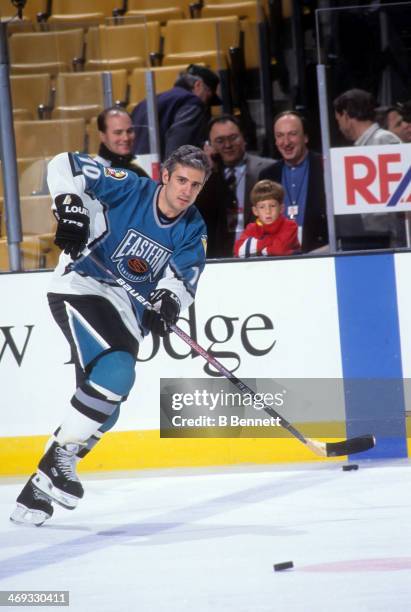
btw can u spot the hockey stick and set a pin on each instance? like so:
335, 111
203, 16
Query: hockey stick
323, 449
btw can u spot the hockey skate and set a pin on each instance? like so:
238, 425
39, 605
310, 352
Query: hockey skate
56, 475
32, 506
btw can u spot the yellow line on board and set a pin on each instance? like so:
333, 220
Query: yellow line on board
130, 450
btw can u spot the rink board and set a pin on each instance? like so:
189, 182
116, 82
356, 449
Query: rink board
330, 318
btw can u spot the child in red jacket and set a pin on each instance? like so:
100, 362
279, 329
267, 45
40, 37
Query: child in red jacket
272, 233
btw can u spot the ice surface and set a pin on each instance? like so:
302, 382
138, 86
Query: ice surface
206, 540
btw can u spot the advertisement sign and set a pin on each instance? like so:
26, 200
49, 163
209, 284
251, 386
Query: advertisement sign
374, 179
260, 319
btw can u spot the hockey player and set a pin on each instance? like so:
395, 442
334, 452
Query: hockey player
152, 237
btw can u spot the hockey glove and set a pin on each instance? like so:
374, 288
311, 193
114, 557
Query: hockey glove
165, 311
73, 224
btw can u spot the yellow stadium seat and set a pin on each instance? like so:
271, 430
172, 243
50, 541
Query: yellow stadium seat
49, 137
243, 10
32, 174
36, 215
155, 10
200, 40
38, 251
30, 10
165, 77
93, 138
49, 252
251, 44
122, 46
50, 52
80, 12
30, 95
30, 252
80, 94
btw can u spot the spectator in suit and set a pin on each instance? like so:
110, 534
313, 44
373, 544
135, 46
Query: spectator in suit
300, 171
225, 200
117, 138
183, 112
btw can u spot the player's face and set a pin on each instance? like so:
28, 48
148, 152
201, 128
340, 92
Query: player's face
119, 135
268, 211
180, 190
290, 139
227, 140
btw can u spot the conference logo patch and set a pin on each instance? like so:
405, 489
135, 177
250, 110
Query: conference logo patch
115, 173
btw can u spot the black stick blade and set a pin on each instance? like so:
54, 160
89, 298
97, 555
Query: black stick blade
350, 446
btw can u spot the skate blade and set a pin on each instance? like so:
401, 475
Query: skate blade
25, 516
44, 484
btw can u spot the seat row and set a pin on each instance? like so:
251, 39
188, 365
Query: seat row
81, 94
42, 139
129, 46
63, 12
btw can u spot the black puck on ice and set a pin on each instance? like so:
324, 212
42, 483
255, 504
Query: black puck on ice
278, 567
350, 467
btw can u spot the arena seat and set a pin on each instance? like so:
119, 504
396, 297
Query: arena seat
49, 137
93, 138
80, 94
32, 174
30, 95
36, 215
84, 13
49, 52
243, 10
122, 46
30, 252
251, 44
37, 252
200, 40
28, 23
156, 10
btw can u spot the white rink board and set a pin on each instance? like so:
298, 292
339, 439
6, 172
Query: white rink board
296, 297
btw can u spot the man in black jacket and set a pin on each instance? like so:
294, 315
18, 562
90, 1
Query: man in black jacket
300, 172
183, 112
117, 138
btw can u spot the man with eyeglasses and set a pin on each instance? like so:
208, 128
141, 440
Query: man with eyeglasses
117, 136
225, 201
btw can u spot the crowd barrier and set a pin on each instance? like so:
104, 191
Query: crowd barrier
344, 320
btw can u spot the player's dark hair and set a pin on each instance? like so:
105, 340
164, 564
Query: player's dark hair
293, 113
357, 103
112, 111
190, 156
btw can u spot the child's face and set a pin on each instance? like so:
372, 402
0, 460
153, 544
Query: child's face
268, 211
